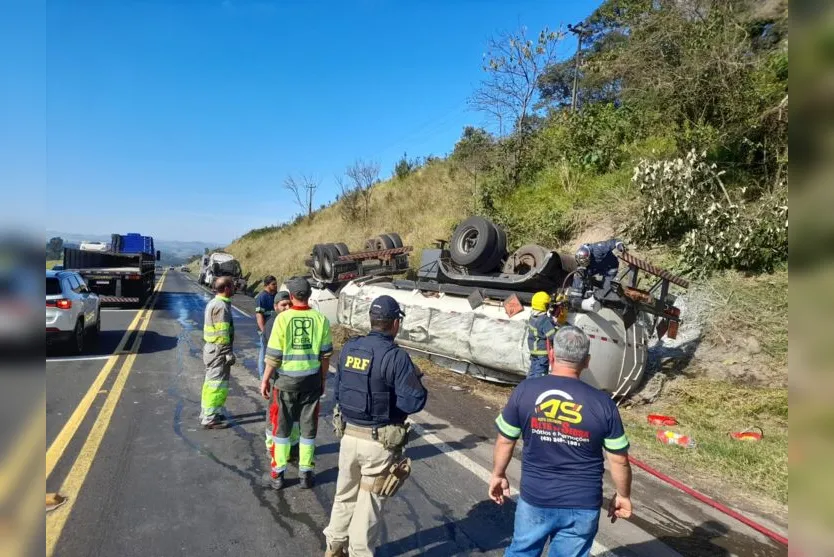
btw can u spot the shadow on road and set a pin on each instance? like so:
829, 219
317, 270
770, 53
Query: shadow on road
153, 342
486, 527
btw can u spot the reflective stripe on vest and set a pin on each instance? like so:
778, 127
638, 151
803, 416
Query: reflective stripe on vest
299, 338
217, 334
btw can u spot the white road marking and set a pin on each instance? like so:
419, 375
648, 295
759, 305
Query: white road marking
78, 358
597, 549
241, 311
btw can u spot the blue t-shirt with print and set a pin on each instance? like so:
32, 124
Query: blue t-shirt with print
565, 424
265, 304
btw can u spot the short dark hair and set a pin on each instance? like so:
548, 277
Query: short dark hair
269, 280
382, 325
302, 297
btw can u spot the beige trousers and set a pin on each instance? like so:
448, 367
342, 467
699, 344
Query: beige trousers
356, 512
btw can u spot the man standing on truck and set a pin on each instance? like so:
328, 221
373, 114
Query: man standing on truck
596, 259
219, 336
566, 425
282, 303
299, 347
263, 310
540, 329
377, 387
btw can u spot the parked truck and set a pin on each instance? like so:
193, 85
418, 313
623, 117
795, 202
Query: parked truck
220, 264
122, 272
468, 304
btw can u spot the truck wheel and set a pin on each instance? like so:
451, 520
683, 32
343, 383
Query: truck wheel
473, 242
395, 239
525, 258
328, 254
317, 257
342, 248
499, 253
370, 244
382, 242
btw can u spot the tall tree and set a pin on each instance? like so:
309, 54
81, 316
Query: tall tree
55, 248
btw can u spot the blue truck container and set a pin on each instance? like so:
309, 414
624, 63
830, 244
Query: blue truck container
132, 243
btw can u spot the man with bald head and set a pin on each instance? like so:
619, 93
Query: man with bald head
219, 336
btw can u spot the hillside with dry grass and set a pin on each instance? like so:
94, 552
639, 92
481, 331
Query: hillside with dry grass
422, 207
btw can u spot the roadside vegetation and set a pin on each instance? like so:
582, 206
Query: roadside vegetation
676, 143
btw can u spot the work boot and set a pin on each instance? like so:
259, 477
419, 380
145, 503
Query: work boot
215, 424
336, 549
307, 480
277, 481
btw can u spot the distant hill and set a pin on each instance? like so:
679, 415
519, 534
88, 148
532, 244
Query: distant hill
174, 252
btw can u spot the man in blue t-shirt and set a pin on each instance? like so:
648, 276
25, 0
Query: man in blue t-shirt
263, 310
565, 424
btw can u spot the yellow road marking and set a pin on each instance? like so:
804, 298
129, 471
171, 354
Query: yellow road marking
26, 446
59, 445
57, 519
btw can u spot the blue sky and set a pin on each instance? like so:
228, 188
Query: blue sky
181, 118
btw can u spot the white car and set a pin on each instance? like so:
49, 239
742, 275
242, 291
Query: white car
73, 312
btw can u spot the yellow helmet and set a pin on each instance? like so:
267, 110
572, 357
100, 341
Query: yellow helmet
540, 301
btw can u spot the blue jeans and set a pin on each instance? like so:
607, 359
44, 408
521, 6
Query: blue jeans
261, 355
572, 531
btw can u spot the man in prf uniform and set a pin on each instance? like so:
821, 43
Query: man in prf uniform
377, 387
565, 424
219, 337
299, 348
263, 311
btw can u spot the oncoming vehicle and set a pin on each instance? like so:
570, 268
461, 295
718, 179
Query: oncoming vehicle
221, 264
73, 311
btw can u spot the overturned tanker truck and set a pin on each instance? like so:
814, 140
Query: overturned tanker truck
468, 303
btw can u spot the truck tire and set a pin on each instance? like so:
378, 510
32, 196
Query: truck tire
473, 243
382, 242
525, 258
317, 259
395, 238
328, 254
342, 248
370, 244
498, 254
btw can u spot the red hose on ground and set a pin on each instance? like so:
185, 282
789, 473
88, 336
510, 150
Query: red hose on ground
711, 502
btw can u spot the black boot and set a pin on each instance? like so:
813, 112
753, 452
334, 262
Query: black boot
307, 480
278, 481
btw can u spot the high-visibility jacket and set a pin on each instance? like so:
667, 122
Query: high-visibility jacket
218, 326
300, 337
540, 329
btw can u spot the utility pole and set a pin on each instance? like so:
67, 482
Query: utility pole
578, 30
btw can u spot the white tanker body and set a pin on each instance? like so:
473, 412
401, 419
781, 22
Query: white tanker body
485, 342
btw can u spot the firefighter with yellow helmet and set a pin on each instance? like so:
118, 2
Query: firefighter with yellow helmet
540, 330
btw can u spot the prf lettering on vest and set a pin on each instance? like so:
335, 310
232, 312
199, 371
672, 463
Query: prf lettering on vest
301, 329
562, 410
356, 363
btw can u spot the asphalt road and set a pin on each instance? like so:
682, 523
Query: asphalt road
142, 478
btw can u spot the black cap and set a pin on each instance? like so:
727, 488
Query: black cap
281, 296
298, 286
386, 307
